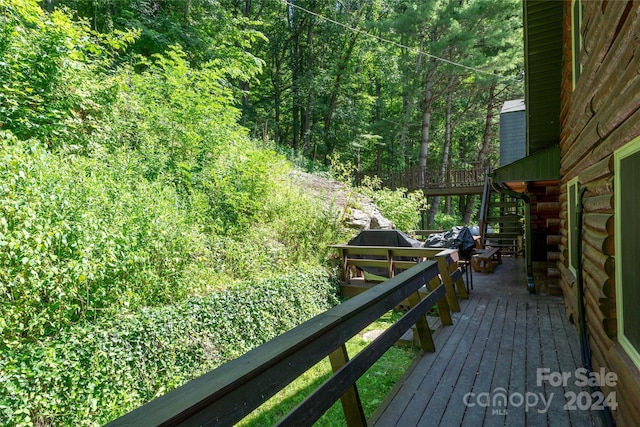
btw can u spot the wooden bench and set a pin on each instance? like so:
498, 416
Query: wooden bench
394, 259
486, 260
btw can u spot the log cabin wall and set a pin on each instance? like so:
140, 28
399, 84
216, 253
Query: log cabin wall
601, 115
545, 229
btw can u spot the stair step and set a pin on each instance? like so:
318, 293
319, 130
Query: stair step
503, 204
504, 219
502, 235
497, 244
504, 247
503, 228
506, 233
505, 214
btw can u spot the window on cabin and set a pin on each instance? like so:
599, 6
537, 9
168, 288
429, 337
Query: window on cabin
576, 38
627, 239
572, 226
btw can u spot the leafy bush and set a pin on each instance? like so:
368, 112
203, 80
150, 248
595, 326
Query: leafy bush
129, 187
80, 236
239, 186
53, 73
92, 373
443, 221
399, 205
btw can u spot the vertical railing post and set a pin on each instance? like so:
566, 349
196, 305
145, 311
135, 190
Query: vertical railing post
443, 267
422, 327
351, 403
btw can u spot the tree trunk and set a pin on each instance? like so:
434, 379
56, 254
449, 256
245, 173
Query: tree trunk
277, 96
378, 119
187, 10
335, 92
469, 208
448, 132
308, 108
406, 115
484, 151
404, 133
426, 120
295, 75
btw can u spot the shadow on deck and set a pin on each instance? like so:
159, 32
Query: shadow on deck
485, 370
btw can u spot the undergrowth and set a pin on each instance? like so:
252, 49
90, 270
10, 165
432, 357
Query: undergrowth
96, 371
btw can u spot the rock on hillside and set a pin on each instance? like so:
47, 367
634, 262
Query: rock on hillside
357, 211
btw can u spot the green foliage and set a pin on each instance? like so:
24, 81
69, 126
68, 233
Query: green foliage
243, 179
46, 63
373, 386
184, 122
293, 231
206, 30
81, 235
325, 86
127, 182
443, 221
94, 372
175, 114
154, 203
400, 206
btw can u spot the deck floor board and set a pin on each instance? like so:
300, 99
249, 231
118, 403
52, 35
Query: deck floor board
449, 383
485, 367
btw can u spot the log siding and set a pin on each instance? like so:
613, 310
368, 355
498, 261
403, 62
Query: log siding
601, 115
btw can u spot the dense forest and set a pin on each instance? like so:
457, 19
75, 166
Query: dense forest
146, 150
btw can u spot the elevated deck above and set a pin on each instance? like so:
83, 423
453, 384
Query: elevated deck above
467, 179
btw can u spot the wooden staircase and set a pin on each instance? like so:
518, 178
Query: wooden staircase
501, 221
504, 224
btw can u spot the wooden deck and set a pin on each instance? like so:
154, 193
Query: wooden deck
498, 341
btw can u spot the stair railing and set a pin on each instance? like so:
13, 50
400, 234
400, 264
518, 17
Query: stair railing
484, 206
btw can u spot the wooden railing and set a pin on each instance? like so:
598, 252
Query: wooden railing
484, 206
394, 258
470, 175
224, 396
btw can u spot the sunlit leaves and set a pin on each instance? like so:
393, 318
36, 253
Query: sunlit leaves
45, 59
78, 240
90, 374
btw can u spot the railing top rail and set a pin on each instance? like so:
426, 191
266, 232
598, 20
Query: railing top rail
380, 249
227, 394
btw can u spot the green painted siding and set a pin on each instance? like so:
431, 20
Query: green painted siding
544, 165
513, 132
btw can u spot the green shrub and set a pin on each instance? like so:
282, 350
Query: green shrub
80, 236
399, 205
443, 221
95, 372
53, 73
239, 185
